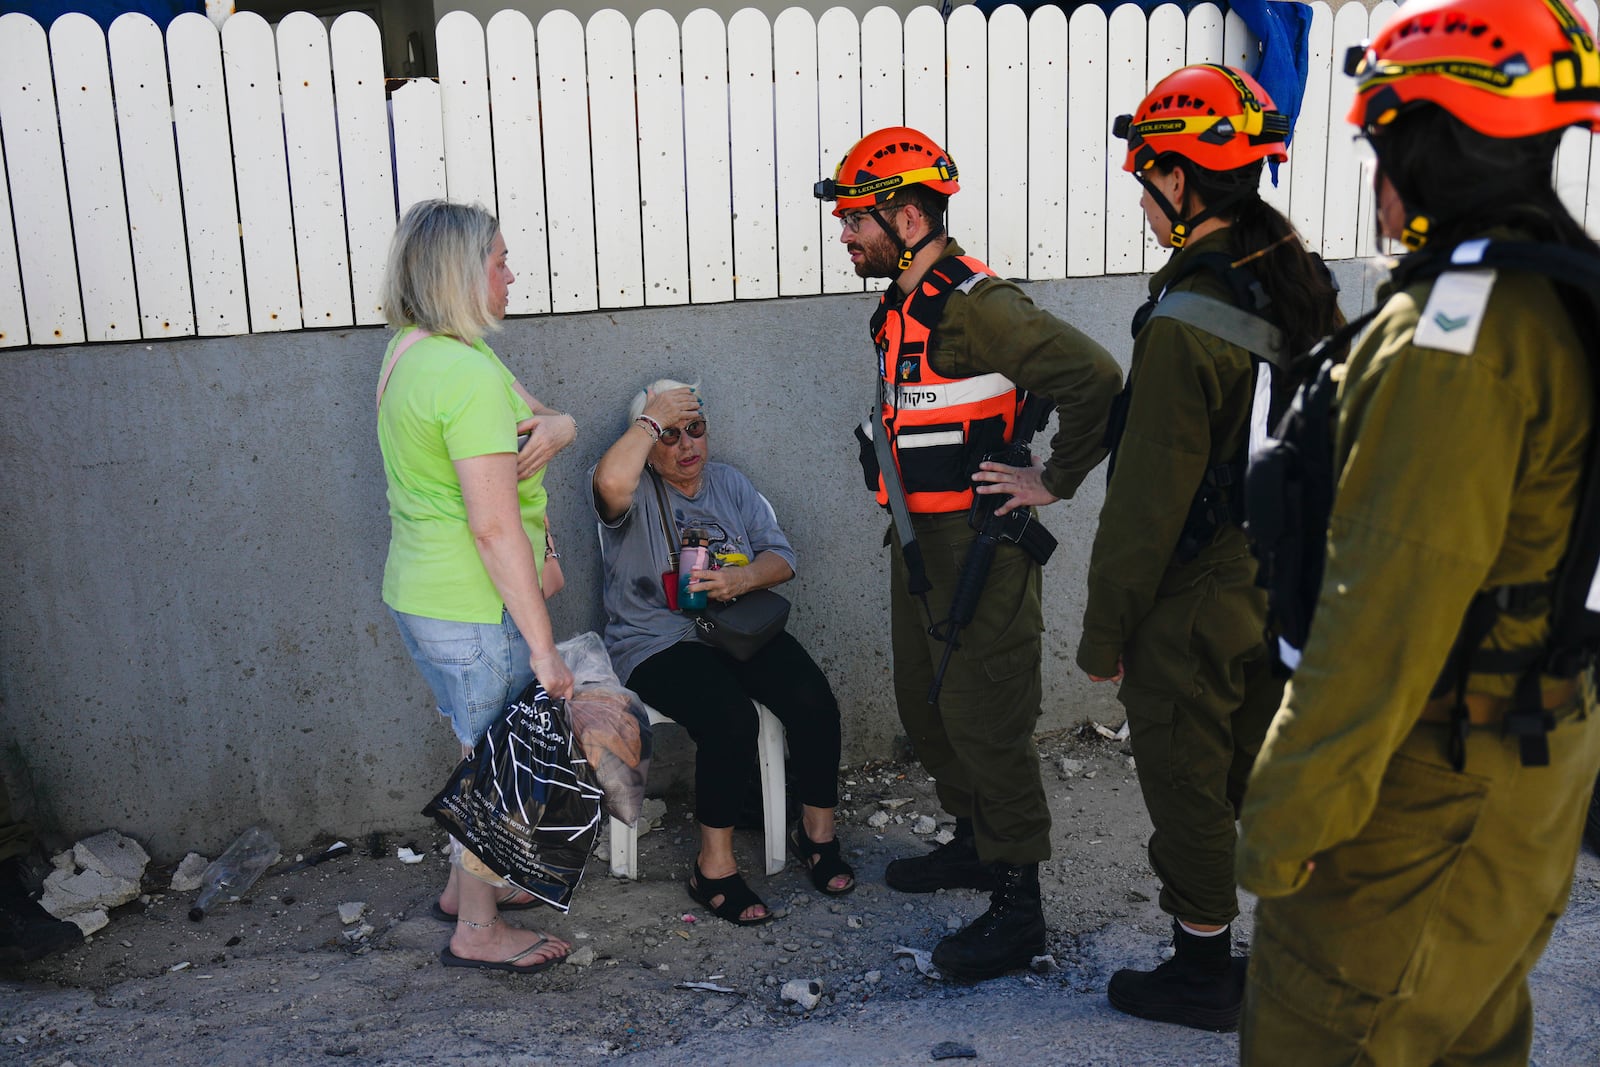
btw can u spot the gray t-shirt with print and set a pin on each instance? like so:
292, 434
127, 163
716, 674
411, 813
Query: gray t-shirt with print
633, 555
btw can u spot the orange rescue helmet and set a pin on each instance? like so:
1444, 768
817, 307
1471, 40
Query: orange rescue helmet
1505, 68
1216, 117
882, 163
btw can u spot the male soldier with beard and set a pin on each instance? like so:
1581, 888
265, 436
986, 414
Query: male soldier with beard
958, 352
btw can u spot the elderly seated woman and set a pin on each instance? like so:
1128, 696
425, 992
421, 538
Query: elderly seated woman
663, 456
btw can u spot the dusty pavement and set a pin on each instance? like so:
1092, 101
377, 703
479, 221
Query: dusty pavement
278, 979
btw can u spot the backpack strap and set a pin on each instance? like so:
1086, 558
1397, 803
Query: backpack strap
1221, 319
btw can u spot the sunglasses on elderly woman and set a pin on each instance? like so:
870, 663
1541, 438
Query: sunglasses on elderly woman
696, 430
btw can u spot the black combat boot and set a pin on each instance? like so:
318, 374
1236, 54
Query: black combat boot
1202, 985
1007, 936
953, 865
27, 931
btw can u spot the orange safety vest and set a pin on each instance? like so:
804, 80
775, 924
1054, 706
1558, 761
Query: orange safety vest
939, 428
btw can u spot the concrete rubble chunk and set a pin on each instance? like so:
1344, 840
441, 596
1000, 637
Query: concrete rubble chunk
925, 825
350, 911
650, 815
65, 895
1070, 767
63, 861
113, 855
583, 957
878, 820
186, 879
90, 921
802, 991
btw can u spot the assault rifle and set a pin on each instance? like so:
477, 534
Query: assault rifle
1019, 527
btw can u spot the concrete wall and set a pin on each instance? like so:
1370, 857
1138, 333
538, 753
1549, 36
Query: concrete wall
194, 534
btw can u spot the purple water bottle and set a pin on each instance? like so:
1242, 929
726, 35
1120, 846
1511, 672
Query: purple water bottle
695, 556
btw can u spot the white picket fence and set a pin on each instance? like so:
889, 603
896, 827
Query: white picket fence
207, 183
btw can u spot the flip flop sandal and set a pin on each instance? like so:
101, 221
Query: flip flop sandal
736, 897
828, 864
450, 959
500, 905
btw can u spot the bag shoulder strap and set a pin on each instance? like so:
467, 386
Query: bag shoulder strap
394, 357
662, 509
1221, 319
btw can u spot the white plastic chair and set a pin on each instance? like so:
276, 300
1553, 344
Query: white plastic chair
769, 756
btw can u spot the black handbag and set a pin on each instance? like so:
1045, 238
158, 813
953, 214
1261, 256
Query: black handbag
741, 627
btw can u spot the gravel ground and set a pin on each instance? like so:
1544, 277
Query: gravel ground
277, 978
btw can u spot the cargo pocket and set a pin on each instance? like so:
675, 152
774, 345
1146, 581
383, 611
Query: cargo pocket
932, 458
1373, 911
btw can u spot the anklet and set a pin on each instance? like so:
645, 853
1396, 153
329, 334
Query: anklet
478, 926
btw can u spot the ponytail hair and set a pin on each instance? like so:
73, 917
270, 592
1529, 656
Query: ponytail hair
1303, 303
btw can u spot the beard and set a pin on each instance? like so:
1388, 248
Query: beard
879, 256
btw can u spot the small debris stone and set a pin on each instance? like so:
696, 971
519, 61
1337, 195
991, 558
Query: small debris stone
1070, 767
90, 921
878, 820
186, 879
583, 957
925, 825
805, 992
950, 1050
952, 922
350, 912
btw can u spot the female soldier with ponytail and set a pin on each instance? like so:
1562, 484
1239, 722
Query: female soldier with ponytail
1412, 834
1173, 611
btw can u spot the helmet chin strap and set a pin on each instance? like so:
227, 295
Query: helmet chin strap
1183, 228
907, 254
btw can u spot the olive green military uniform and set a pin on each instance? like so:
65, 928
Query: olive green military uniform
1198, 685
977, 742
1404, 902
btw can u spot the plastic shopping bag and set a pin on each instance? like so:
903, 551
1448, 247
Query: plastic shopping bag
526, 801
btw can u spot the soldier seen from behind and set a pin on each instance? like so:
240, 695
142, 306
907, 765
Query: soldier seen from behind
1413, 819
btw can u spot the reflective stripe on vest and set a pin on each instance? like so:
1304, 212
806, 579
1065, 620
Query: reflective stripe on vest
931, 418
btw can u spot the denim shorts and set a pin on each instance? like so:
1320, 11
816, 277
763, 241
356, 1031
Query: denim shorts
473, 668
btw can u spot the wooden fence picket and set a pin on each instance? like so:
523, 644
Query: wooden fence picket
1309, 148
519, 158
665, 211
1047, 143
838, 125
1126, 83
1007, 142
364, 160
205, 163
568, 182
1341, 202
1090, 143
924, 72
706, 170
321, 245
614, 131
464, 110
150, 164
13, 315
39, 208
805, 232
418, 143
967, 127
753, 174
882, 70
255, 117
94, 175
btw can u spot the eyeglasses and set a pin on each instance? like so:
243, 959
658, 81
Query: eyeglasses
671, 435
851, 220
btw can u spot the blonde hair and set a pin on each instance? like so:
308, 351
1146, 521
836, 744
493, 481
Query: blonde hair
660, 385
437, 277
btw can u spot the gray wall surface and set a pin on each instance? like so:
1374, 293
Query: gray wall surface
194, 534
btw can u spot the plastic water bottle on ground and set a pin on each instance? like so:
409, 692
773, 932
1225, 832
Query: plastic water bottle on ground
232, 874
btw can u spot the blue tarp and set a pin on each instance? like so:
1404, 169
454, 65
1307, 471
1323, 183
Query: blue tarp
44, 12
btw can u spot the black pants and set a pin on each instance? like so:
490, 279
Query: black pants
710, 694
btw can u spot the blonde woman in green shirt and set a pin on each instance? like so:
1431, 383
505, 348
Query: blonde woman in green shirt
467, 513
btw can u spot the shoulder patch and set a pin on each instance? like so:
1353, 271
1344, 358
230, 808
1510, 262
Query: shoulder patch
967, 285
1455, 310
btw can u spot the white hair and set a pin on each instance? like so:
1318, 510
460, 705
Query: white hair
660, 385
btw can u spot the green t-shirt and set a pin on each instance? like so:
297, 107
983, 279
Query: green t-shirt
446, 401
